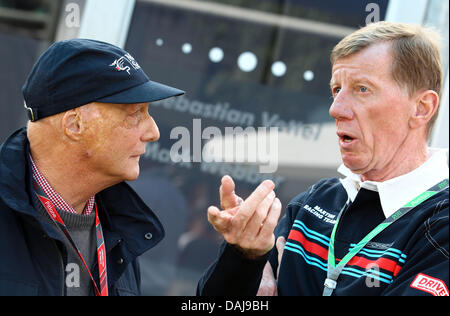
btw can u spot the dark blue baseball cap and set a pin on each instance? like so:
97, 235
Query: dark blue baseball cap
76, 72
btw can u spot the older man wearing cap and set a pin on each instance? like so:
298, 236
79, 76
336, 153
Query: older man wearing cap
69, 224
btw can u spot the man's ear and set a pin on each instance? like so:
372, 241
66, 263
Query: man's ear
72, 124
426, 105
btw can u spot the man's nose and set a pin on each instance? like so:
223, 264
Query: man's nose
341, 107
151, 130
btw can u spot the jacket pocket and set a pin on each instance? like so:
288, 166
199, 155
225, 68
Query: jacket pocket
127, 284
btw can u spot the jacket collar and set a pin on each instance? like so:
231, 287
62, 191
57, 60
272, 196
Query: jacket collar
396, 192
15, 178
124, 216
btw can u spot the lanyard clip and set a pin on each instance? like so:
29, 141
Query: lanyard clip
331, 284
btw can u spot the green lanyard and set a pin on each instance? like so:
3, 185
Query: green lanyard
334, 270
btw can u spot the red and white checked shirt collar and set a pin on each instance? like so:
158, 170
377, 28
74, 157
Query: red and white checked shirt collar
54, 197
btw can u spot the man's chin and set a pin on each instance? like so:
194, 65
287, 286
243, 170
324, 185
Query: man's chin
357, 167
132, 173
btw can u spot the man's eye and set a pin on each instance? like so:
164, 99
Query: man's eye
336, 91
133, 119
363, 89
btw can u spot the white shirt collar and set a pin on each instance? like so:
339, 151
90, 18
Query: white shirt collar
396, 192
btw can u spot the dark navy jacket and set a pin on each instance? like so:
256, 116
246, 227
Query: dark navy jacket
33, 258
410, 257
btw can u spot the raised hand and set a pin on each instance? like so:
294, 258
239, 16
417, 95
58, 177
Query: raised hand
249, 224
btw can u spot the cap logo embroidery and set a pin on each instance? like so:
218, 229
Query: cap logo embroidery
119, 64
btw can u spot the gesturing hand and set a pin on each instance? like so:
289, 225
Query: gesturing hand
249, 224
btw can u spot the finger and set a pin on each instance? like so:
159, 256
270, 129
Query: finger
281, 242
268, 285
258, 238
220, 220
271, 220
249, 206
228, 199
214, 216
255, 223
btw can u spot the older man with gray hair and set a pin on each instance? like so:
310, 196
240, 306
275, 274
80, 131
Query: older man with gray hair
383, 228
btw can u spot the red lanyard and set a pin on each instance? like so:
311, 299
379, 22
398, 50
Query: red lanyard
101, 253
